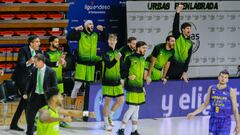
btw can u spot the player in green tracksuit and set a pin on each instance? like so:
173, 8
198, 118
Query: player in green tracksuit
129, 48
56, 60
111, 86
49, 115
134, 73
86, 59
183, 48
160, 60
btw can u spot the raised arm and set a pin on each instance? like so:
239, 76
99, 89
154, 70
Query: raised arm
75, 33
176, 22
101, 33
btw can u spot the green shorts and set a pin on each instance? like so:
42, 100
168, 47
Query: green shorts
133, 98
84, 73
112, 91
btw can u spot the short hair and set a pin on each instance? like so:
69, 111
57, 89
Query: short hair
52, 91
87, 22
140, 44
40, 57
130, 39
52, 38
32, 38
224, 72
169, 37
185, 25
112, 36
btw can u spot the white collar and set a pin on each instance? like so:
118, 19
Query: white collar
43, 68
31, 49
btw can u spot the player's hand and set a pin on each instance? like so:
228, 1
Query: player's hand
1, 72
190, 116
237, 129
63, 61
64, 55
118, 56
179, 8
30, 61
185, 77
132, 77
60, 62
148, 80
164, 80
67, 119
100, 27
79, 28
25, 96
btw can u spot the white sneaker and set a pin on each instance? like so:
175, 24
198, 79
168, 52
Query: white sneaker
111, 122
107, 127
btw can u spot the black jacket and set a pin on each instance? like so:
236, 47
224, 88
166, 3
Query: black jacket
22, 73
176, 34
50, 80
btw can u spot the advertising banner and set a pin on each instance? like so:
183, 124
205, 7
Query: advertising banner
175, 99
109, 13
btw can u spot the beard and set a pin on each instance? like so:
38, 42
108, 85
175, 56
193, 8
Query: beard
55, 46
89, 29
142, 52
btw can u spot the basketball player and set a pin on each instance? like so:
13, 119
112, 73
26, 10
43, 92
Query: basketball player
223, 102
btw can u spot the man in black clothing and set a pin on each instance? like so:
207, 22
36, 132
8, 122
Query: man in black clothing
183, 49
43, 77
22, 74
129, 48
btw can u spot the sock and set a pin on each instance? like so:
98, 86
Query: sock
106, 120
134, 128
85, 113
123, 126
111, 114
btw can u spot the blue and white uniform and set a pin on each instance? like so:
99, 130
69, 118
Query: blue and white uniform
220, 112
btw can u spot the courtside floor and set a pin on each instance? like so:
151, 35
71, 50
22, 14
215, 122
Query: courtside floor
162, 126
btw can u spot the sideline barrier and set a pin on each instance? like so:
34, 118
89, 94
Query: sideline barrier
175, 99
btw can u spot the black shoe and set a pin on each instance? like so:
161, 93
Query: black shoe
63, 124
16, 128
120, 132
135, 133
85, 118
34, 129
